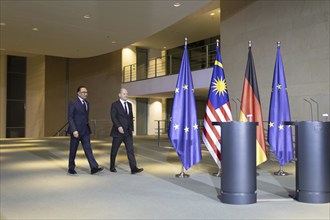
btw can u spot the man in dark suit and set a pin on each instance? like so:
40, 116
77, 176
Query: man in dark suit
122, 131
80, 131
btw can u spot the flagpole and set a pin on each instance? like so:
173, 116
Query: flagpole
281, 171
183, 174
218, 174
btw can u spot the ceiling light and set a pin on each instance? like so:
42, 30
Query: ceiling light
2, 24
35, 29
212, 14
177, 4
164, 47
113, 42
87, 16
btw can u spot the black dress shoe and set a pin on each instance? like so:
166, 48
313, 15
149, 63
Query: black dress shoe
113, 170
72, 171
95, 170
136, 170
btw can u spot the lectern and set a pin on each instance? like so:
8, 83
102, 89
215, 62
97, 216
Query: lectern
313, 161
238, 164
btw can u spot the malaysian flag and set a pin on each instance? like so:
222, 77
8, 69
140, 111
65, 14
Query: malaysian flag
217, 109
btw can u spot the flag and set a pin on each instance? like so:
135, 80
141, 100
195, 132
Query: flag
280, 135
217, 109
183, 129
250, 105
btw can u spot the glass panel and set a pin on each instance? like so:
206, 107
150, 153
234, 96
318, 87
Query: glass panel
16, 86
15, 132
15, 113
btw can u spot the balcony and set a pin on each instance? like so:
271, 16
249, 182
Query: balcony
200, 58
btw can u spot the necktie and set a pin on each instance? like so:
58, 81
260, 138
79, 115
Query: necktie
84, 104
125, 104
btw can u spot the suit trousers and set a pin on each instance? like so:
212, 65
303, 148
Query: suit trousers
116, 142
86, 145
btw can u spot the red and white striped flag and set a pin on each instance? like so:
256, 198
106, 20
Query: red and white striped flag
217, 109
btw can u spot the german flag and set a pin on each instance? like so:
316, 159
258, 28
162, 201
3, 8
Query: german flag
250, 105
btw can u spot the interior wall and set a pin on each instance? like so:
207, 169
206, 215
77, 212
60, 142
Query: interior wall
35, 97
55, 94
3, 94
302, 27
102, 77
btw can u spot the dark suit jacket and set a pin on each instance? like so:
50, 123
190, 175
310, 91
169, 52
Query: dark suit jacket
78, 117
121, 119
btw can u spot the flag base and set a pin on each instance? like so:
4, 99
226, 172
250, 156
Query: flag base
218, 174
182, 175
281, 173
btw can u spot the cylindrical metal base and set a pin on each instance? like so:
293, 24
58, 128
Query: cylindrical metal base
238, 198
238, 149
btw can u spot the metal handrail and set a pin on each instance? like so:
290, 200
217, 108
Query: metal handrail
200, 58
61, 130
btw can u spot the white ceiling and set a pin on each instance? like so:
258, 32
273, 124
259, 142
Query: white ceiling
63, 31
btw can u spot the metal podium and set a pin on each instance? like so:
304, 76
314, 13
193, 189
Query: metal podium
238, 150
313, 161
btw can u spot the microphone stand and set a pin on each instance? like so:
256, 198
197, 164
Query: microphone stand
317, 107
311, 108
235, 107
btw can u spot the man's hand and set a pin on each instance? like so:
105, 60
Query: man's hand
75, 134
121, 130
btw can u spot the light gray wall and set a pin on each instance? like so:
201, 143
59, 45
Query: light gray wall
166, 84
302, 27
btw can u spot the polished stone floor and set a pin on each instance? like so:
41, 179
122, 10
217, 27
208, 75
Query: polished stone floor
35, 185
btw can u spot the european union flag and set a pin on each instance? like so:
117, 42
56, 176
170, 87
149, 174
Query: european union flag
279, 135
183, 130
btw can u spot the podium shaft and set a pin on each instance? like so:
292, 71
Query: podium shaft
313, 162
238, 149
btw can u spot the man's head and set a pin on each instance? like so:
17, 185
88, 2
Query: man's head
82, 92
123, 94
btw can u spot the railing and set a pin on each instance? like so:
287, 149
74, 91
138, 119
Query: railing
62, 131
199, 57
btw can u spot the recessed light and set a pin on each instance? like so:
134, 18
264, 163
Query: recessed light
35, 29
212, 14
113, 42
164, 47
87, 16
177, 4
2, 24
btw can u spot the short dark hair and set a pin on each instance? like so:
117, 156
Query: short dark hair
78, 90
